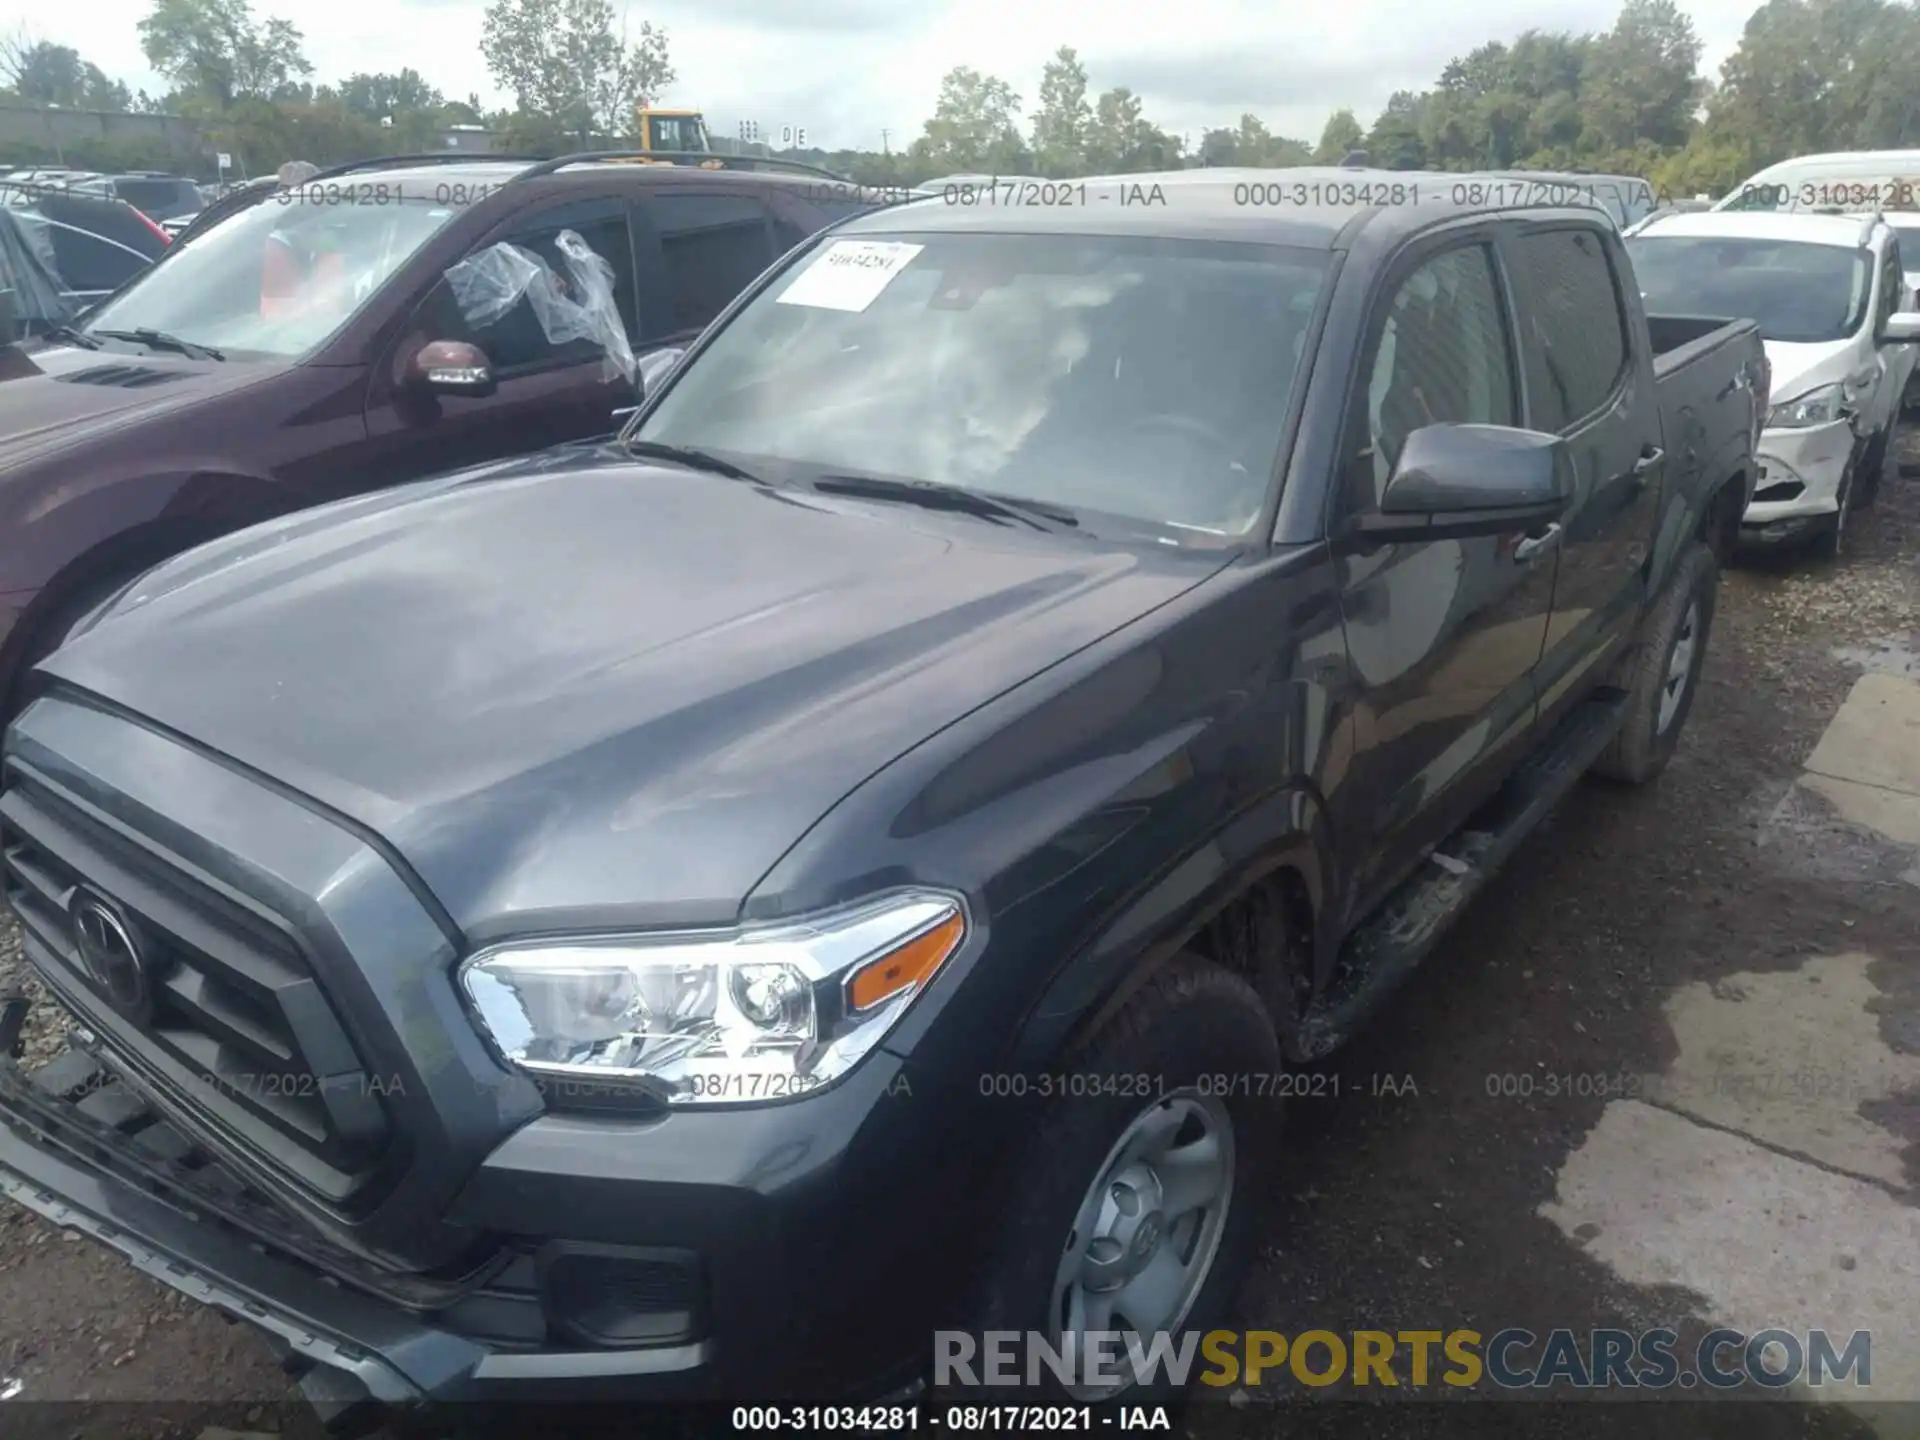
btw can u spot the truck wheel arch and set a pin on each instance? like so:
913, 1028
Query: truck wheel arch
89, 576
1285, 882
1720, 521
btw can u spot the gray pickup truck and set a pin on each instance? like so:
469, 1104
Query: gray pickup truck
856, 856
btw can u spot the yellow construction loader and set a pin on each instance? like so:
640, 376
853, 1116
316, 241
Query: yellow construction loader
675, 132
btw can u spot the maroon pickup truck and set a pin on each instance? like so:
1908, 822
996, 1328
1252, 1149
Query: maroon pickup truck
374, 325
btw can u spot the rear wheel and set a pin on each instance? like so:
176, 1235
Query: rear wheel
1137, 1199
1662, 671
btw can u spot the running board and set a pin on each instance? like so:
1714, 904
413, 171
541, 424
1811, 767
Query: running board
1386, 947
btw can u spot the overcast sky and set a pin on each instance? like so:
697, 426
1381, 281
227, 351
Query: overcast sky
849, 69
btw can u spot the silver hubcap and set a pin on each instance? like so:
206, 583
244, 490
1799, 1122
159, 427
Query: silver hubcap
1673, 687
1146, 1232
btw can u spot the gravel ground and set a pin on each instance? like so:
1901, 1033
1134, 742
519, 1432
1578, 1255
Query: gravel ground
1400, 1210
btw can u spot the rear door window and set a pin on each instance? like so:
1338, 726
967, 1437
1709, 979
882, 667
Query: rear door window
796, 220
1578, 351
711, 248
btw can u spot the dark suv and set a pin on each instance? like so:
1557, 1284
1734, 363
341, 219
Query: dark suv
273, 360
154, 193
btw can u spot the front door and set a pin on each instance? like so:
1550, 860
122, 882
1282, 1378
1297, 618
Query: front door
1893, 363
554, 381
1443, 635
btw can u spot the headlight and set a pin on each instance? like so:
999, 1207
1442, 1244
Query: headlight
760, 1014
1816, 407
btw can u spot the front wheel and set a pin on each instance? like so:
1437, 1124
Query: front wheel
1134, 1207
1829, 543
1883, 455
1662, 671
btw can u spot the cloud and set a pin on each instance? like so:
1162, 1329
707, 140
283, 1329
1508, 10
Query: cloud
848, 70
834, 17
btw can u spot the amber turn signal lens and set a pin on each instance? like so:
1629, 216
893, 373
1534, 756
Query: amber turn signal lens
912, 965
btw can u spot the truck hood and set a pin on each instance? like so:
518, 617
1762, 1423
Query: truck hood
580, 690
60, 395
1800, 368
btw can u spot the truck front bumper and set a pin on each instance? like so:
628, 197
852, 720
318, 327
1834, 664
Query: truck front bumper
1798, 487
358, 1352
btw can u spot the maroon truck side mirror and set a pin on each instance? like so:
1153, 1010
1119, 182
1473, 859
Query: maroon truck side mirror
452, 367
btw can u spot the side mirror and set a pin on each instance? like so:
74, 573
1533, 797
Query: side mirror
655, 366
1474, 480
453, 367
1902, 328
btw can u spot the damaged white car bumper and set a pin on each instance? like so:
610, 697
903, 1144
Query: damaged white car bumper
1799, 481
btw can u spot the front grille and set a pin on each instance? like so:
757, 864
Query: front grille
240, 1037
77, 1108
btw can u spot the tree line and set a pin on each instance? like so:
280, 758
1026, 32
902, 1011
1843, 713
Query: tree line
247, 85
1807, 75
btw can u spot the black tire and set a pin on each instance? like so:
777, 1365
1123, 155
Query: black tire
1193, 1028
1644, 745
1872, 474
1829, 542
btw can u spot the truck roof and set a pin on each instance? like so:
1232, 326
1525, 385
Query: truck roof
490, 173
1845, 160
1211, 204
1850, 231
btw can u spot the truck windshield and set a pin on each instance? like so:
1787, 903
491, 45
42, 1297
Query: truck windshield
1794, 291
276, 279
1145, 379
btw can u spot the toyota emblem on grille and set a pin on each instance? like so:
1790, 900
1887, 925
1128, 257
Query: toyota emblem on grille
110, 955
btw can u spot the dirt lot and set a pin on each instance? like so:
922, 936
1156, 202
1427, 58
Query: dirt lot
1416, 1205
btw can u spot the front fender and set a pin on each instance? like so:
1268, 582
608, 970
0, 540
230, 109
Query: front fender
1284, 832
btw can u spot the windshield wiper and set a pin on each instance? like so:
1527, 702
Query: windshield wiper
693, 458
936, 495
161, 340
73, 336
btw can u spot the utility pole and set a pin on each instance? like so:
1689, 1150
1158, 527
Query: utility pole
885, 135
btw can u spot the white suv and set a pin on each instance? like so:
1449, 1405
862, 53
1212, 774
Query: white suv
1838, 319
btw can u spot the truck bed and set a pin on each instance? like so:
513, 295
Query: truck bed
1679, 340
1711, 376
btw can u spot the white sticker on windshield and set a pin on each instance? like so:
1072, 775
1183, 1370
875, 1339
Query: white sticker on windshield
850, 274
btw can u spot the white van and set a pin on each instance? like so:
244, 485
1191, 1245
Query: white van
1852, 182
1849, 182
1840, 329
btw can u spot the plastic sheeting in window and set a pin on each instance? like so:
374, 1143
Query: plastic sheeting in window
492, 281
39, 302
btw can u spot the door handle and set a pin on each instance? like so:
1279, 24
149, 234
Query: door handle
1531, 547
1643, 467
